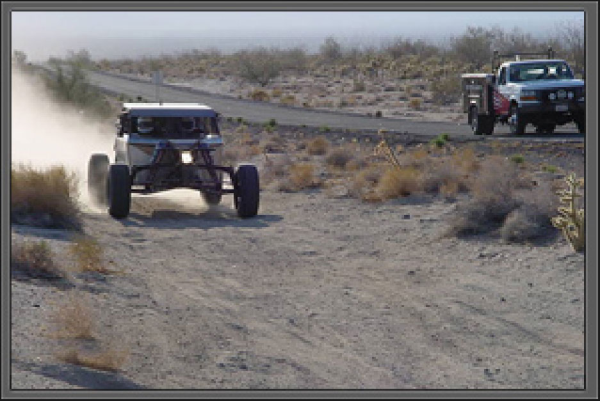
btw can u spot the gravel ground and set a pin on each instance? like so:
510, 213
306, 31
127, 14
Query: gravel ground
314, 293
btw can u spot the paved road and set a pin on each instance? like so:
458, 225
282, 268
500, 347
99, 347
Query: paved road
261, 112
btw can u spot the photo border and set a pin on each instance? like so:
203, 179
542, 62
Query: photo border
591, 161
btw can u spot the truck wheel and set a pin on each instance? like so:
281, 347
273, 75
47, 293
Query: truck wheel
119, 191
516, 122
580, 122
246, 196
212, 198
545, 128
97, 176
487, 125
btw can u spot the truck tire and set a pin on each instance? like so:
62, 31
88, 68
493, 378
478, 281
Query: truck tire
580, 122
545, 129
212, 198
97, 176
516, 122
480, 124
247, 191
119, 191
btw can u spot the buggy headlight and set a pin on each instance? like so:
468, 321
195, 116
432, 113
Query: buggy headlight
186, 157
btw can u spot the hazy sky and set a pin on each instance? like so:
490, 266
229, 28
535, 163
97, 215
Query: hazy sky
118, 34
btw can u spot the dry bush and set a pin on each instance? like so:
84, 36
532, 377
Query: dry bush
302, 175
532, 219
88, 254
34, 259
317, 146
289, 100
339, 157
276, 92
398, 182
109, 359
415, 103
276, 167
442, 176
73, 318
44, 197
466, 160
494, 197
259, 95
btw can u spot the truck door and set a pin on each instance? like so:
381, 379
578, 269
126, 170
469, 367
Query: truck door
501, 93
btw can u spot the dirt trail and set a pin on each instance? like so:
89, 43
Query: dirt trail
321, 293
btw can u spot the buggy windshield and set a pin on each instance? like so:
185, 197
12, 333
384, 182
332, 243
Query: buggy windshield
174, 127
540, 71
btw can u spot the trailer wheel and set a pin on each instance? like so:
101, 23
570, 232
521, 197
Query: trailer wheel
97, 176
474, 120
247, 191
119, 191
480, 124
516, 122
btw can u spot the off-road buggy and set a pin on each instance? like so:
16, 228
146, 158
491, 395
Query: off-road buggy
162, 146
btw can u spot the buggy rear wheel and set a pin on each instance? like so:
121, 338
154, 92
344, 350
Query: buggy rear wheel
97, 176
247, 191
212, 198
119, 191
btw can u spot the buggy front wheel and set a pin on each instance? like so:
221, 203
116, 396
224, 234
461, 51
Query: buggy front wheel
246, 191
119, 191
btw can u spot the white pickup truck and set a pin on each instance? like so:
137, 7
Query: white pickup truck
541, 92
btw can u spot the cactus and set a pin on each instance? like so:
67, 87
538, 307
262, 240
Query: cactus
571, 221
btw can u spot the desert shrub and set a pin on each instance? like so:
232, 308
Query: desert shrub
259, 95
88, 254
260, 65
398, 182
446, 90
109, 359
34, 259
493, 199
533, 218
289, 100
330, 50
317, 146
363, 183
302, 176
517, 158
73, 317
339, 157
44, 197
442, 177
415, 103
358, 86
276, 92
466, 160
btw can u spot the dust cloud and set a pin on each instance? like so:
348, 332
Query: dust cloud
46, 133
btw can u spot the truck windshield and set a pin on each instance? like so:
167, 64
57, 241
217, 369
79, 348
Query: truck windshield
540, 71
174, 127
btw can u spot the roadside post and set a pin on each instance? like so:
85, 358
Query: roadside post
157, 79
